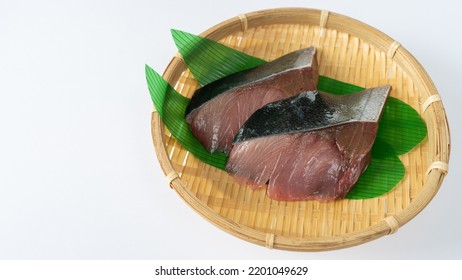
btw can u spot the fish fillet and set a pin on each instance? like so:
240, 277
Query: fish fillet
312, 146
217, 110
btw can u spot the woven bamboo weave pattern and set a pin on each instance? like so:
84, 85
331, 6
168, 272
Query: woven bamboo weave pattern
348, 51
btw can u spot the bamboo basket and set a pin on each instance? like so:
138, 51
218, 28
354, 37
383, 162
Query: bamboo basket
349, 51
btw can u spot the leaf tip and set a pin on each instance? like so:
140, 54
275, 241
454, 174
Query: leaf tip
175, 32
147, 68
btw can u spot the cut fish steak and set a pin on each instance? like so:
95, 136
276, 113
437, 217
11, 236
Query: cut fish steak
217, 110
311, 146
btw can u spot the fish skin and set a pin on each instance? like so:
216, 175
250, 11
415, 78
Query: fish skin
323, 110
295, 60
316, 157
217, 110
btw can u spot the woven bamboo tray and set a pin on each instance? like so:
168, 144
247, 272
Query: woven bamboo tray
349, 51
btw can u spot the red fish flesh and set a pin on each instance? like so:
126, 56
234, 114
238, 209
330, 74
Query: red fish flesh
312, 146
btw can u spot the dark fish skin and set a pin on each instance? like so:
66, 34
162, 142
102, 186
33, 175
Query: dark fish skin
313, 146
314, 110
217, 110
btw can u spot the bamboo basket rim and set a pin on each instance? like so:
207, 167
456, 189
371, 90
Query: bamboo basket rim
433, 110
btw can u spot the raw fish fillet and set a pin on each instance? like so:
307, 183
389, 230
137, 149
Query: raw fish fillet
311, 146
217, 110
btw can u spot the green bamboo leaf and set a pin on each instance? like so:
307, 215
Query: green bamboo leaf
171, 107
330, 85
208, 60
380, 177
401, 127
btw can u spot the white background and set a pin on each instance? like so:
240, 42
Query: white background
79, 178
